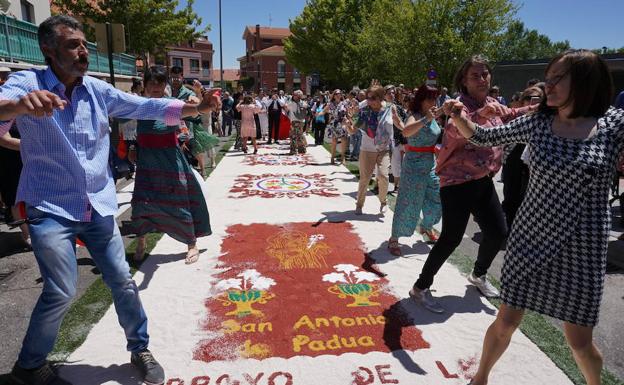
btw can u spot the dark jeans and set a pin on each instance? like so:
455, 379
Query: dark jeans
516, 180
227, 124
274, 125
478, 198
319, 132
258, 131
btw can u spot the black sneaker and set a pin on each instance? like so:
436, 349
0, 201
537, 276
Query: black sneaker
43, 375
153, 373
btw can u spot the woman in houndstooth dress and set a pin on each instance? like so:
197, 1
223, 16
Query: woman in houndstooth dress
557, 250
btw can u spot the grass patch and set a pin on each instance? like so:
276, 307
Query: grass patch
91, 306
547, 337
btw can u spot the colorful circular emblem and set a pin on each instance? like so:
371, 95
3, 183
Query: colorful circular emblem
283, 184
273, 159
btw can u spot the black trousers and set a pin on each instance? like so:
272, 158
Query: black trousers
274, 125
10, 170
258, 130
319, 132
516, 180
479, 198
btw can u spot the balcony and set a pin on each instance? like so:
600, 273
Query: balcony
18, 42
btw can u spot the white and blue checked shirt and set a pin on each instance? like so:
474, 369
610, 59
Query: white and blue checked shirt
65, 156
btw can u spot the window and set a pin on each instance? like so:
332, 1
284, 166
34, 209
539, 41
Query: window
206, 64
28, 12
281, 69
194, 65
177, 62
159, 59
296, 75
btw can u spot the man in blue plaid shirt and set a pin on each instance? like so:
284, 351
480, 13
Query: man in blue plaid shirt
68, 190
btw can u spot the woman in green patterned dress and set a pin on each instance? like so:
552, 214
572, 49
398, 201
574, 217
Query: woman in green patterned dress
168, 195
420, 186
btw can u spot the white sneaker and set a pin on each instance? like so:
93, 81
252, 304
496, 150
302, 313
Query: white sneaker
358, 211
383, 208
485, 287
425, 299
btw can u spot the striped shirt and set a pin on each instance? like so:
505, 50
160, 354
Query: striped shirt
65, 156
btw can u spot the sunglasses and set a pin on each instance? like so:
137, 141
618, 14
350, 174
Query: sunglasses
372, 98
553, 81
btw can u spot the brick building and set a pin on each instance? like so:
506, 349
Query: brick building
265, 61
231, 77
195, 58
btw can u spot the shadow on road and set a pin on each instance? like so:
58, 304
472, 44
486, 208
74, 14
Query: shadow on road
153, 262
406, 313
125, 374
344, 216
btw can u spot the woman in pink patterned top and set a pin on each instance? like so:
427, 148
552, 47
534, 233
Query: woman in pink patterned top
248, 108
466, 185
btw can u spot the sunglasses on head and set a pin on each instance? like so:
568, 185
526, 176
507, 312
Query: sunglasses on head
529, 97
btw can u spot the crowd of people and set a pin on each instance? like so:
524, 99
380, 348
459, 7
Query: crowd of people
559, 143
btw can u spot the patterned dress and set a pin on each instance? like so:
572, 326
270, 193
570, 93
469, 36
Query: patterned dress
557, 250
335, 127
420, 186
201, 141
167, 193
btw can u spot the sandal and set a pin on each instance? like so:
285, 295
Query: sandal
192, 256
430, 236
395, 248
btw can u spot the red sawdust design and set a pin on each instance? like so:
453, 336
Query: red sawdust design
300, 290
282, 186
278, 160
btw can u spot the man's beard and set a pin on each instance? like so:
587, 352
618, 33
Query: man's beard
71, 69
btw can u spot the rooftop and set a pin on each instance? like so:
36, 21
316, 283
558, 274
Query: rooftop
229, 74
274, 50
268, 32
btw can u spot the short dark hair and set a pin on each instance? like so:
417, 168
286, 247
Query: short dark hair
458, 82
424, 92
136, 84
532, 82
46, 34
156, 74
176, 70
591, 85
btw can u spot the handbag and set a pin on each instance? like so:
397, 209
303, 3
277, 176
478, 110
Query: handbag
120, 168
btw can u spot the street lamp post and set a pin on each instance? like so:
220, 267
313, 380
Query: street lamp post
221, 46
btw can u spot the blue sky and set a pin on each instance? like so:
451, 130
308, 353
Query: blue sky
585, 23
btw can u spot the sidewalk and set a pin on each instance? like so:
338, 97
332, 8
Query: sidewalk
283, 294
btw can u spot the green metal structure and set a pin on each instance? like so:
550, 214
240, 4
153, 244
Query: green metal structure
18, 42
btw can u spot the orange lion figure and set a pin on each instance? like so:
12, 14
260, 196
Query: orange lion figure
297, 250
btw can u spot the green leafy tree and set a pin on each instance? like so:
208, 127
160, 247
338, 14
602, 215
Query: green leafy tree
324, 39
150, 24
396, 41
350, 42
